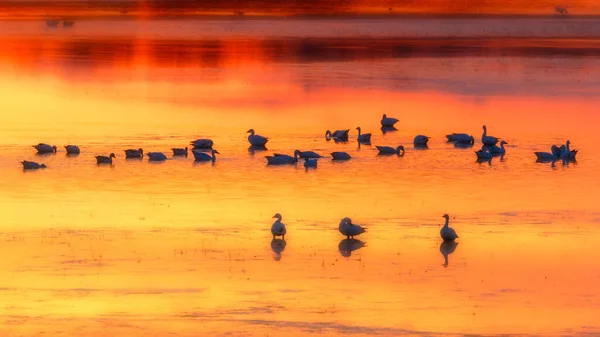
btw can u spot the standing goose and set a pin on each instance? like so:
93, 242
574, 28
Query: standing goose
363, 138
350, 230
256, 140
201, 156
45, 148
338, 135
156, 156
72, 149
421, 140
460, 138
278, 228
202, 144
488, 140
448, 233
310, 163
180, 152
568, 154
387, 150
31, 165
131, 153
340, 156
105, 159
388, 121
307, 154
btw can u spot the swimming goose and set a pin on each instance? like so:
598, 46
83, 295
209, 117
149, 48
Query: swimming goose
180, 152
448, 233
350, 230
338, 135
460, 138
156, 156
498, 150
388, 121
340, 156
310, 162
281, 159
421, 140
31, 165
307, 154
567, 154
488, 140
278, 228
202, 144
484, 154
201, 156
385, 150
556, 151
363, 138
72, 149
131, 153
45, 148
105, 159
545, 157
256, 140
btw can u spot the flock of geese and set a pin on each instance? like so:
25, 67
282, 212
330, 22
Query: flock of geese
203, 151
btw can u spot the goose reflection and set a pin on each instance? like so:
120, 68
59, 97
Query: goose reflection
447, 248
386, 129
459, 145
256, 148
277, 246
347, 246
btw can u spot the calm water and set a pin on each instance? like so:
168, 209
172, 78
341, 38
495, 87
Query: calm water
184, 249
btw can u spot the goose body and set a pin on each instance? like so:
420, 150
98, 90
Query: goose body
156, 156
307, 154
180, 152
388, 121
310, 163
350, 230
201, 156
488, 140
386, 150
448, 233
545, 156
363, 138
202, 144
340, 156
256, 140
499, 150
483, 154
278, 228
72, 149
460, 138
421, 140
31, 165
45, 148
131, 153
340, 135
105, 159
281, 159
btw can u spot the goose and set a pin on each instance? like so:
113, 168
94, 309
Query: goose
347, 246
278, 228
307, 154
131, 153
156, 156
484, 154
180, 152
310, 162
72, 149
281, 159
421, 140
340, 156
45, 148
256, 140
488, 140
568, 154
386, 150
201, 156
460, 138
447, 233
545, 157
556, 151
202, 144
350, 230
339, 135
388, 121
105, 159
363, 138
30, 165
498, 150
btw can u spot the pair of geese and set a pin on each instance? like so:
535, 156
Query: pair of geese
350, 230
563, 152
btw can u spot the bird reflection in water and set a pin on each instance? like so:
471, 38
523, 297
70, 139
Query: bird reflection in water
277, 246
386, 129
447, 248
256, 148
347, 246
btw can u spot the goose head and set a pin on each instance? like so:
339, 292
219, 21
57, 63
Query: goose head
298, 153
568, 143
215, 152
400, 148
327, 134
358, 128
484, 128
277, 216
141, 151
43, 166
503, 143
112, 155
54, 148
346, 221
446, 216
186, 149
251, 131
384, 116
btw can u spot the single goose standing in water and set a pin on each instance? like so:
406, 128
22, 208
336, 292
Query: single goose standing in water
202, 144
256, 140
105, 159
488, 140
448, 233
201, 156
156, 156
310, 163
350, 230
484, 154
421, 140
340, 156
307, 154
278, 228
363, 138
131, 153
72, 149
338, 135
180, 152
388, 121
45, 148
461, 138
386, 150
31, 165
